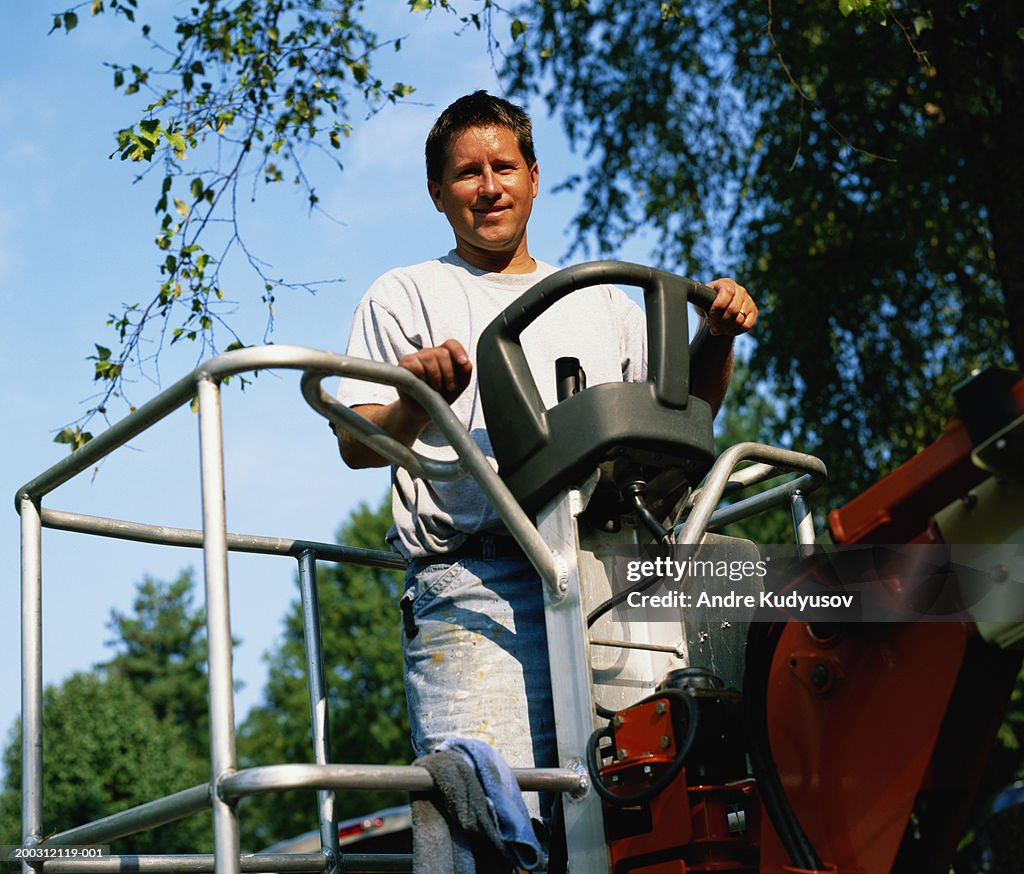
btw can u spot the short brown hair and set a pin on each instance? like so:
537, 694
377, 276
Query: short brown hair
478, 109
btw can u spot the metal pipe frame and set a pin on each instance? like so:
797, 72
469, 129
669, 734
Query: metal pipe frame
227, 785
152, 814
218, 620
803, 523
163, 535
32, 674
572, 693
280, 778
318, 365
470, 458
319, 716
409, 778
706, 498
194, 863
250, 863
775, 497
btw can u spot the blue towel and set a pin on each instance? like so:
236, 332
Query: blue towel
504, 800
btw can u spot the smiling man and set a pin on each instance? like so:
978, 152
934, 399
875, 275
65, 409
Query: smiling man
474, 639
486, 189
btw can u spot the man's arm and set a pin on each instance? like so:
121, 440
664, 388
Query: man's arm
711, 371
732, 313
445, 368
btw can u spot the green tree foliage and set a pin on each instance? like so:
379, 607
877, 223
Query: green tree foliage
161, 652
106, 750
137, 726
243, 91
369, 723
131, 730
855, 163
859, 177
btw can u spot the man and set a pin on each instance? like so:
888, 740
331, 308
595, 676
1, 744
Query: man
474, 639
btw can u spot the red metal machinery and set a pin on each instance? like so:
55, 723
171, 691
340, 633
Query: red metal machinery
875, 736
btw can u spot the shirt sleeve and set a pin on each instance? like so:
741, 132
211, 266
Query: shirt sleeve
377, 334
633, 341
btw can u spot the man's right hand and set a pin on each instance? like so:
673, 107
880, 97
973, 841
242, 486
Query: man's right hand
445, 368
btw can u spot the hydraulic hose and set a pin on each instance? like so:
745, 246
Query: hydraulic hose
666, 777
634, 492
762, 643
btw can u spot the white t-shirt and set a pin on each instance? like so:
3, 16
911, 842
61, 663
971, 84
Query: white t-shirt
417, 307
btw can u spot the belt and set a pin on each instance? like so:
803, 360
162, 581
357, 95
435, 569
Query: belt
487, 547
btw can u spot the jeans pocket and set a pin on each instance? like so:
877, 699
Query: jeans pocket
427, 583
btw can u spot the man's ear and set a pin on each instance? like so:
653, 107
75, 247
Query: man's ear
535, 178
434, 190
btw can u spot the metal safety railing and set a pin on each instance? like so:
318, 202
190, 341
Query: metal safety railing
227, 784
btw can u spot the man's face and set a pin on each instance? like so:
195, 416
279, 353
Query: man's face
486, 192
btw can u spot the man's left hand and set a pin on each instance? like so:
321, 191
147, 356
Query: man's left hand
734, 311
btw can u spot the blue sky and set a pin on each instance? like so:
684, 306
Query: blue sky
76, 241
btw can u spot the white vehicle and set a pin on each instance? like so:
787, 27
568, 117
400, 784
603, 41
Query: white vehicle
385, 831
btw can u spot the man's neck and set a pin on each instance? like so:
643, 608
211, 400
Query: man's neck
519, 261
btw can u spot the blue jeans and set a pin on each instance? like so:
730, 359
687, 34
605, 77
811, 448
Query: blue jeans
476, 658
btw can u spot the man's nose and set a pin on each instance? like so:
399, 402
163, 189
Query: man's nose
489, 183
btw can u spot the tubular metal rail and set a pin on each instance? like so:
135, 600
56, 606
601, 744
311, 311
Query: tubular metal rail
227, 784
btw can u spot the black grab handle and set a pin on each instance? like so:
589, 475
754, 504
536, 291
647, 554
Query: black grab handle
665, 296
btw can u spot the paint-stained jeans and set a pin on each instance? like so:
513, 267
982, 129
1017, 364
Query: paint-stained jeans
476, 659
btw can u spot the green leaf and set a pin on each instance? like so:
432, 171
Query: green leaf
177, 142
421, 5
70, 21
97, 7
197, 188
518, 28
73, 437
181, 207
845, 7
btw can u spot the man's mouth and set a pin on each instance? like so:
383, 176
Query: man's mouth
491, 210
